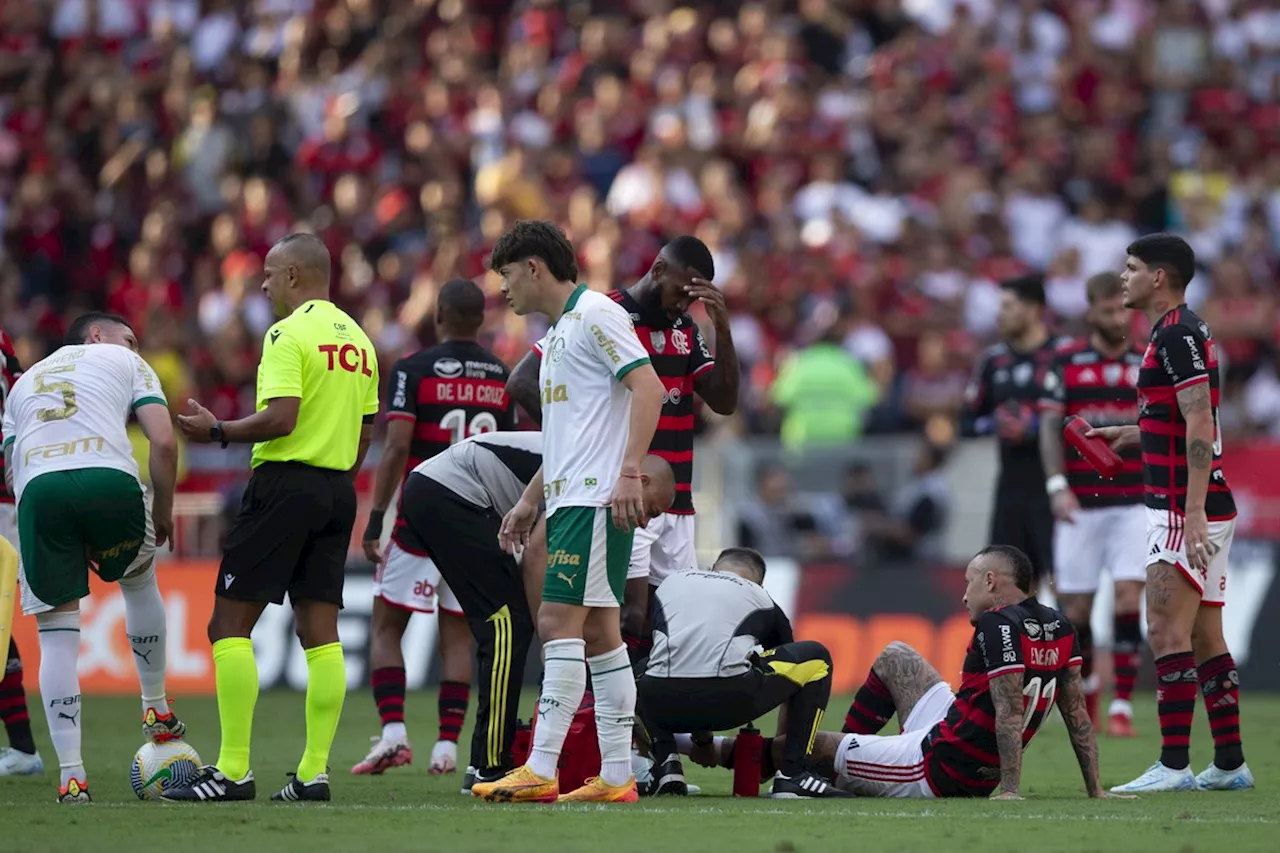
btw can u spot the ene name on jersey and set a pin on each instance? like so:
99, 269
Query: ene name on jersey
961, 755
1181, 353
451, 391
1084, 382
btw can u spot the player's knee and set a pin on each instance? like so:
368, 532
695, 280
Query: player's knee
812, 650
1165, 636
895, 651
632, 619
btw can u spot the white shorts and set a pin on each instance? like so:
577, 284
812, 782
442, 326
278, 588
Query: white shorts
140, 570
893, 766
413, 583
1109, 538
662, 548
1165, 544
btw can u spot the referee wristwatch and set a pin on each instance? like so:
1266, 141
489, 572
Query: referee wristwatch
215, 434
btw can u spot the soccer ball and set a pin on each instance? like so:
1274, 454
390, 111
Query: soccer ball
157, 767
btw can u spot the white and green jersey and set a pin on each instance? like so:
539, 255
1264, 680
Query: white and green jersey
69, 411
586, 409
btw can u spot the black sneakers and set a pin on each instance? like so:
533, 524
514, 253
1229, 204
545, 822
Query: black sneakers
805, 785
212, 786
315, 791
667, 779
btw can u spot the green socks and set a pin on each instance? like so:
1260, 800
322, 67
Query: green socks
236, 676
326, 690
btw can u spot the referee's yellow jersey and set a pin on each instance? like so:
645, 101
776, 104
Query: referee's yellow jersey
319, 354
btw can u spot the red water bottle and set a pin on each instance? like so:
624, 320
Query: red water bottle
748, 750
1096, 451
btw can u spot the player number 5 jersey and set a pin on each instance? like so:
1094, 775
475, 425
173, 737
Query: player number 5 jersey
69, 411
586, 408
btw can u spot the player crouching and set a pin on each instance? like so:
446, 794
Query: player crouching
1023, 657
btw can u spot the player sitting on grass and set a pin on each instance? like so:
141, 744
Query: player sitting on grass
80, 499
1023, 657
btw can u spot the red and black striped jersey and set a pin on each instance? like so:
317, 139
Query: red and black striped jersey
1182, 353
679, 354
10, 370
1087, 383
450, 391
961, 756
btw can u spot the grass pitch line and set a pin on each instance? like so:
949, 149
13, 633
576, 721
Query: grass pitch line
710, 810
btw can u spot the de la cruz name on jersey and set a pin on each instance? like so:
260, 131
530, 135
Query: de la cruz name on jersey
962, 758
451, 391
1102, 389
1181, 354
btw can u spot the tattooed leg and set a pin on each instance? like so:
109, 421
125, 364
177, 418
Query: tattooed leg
1172, 604
907, 675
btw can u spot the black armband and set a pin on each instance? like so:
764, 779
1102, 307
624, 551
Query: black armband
373, 531
368, 419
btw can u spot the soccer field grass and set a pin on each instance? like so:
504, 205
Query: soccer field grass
408, 809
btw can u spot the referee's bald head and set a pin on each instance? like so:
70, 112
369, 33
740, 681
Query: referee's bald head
296, 270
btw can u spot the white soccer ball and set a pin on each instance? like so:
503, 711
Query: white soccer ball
157, 767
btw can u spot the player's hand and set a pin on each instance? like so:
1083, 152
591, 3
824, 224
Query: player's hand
163, 523
711, 298
1064, 505
1195, 527
627, 503
516, 526
1007, 795
371, 542
1119, 437
196, 425
1016, 423
1107, 795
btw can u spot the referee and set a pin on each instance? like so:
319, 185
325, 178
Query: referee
317, 397
706, 674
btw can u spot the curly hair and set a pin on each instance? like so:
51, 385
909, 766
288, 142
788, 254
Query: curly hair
537, 238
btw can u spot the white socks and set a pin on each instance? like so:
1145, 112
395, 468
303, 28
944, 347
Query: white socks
615, 688
60, 687
563, 682
144, 621
395, 732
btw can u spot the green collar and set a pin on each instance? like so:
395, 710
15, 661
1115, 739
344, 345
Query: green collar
573, 300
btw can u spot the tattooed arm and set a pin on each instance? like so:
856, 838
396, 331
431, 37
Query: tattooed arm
1006, 695
1075, 714
1197, 410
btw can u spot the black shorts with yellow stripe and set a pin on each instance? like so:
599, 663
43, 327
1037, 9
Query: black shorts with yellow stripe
462, 539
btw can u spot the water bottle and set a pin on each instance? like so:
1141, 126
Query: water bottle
748, 750
1096, 451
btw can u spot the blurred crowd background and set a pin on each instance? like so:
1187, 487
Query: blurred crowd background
864, 171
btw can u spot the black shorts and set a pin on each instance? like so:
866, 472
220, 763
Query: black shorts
462, 539
291, 536
1022, 518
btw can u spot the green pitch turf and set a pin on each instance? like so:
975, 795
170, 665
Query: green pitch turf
406, 809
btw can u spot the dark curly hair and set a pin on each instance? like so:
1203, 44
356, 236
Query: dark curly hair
537, 238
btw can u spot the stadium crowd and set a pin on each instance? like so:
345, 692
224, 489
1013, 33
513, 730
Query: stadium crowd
864, 171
